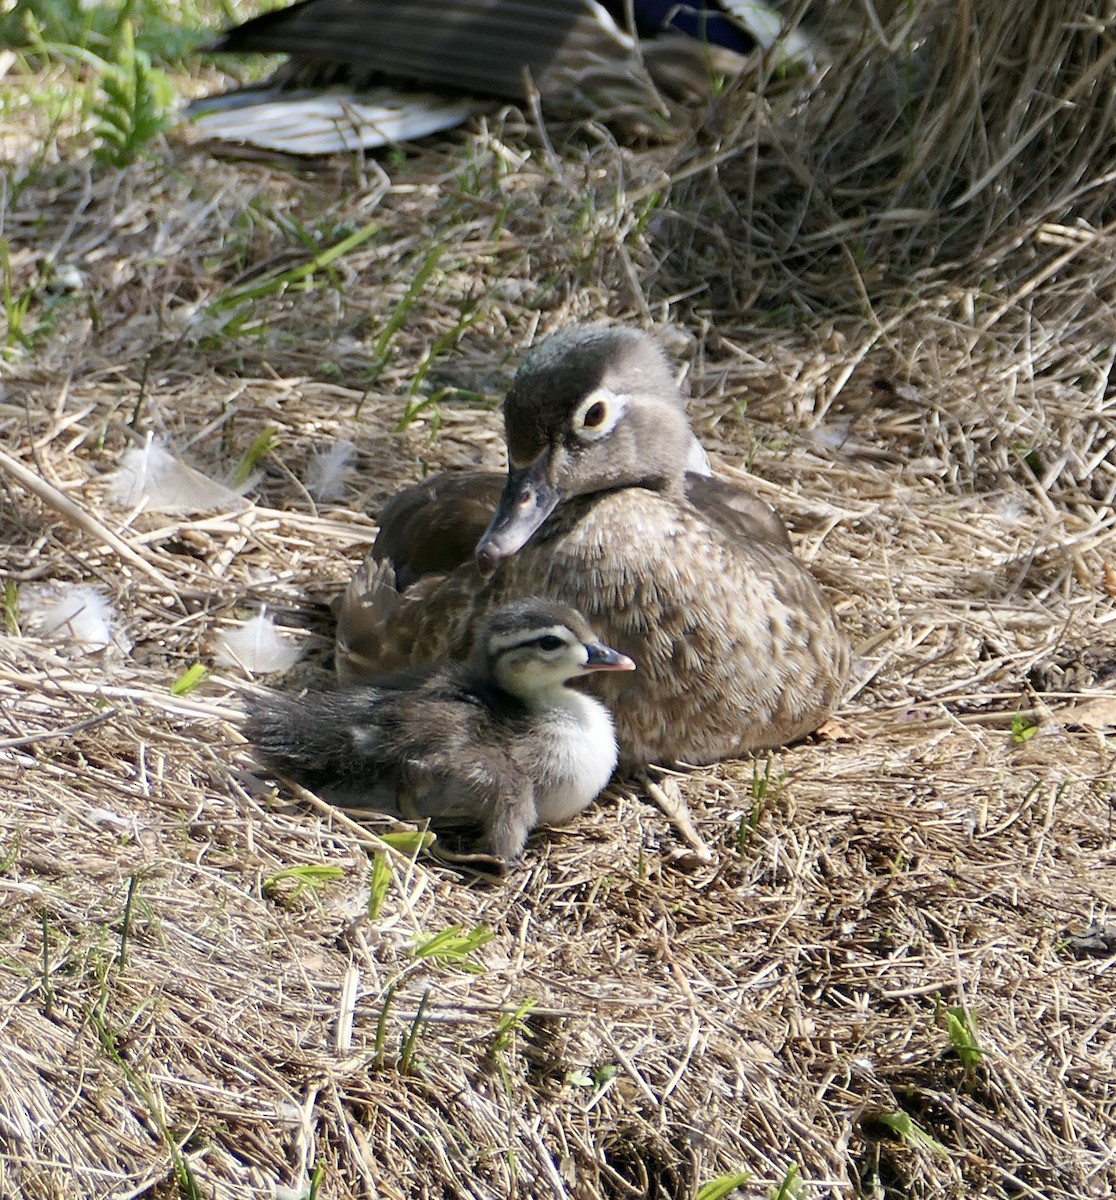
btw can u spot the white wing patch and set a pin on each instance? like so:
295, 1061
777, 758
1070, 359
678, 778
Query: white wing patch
329, 123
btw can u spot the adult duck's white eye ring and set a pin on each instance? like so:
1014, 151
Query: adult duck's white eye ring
598, 413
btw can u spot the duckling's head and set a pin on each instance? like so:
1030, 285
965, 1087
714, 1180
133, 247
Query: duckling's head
592, 408
533, 647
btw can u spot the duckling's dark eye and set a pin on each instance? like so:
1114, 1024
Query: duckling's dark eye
595, 415
549, 643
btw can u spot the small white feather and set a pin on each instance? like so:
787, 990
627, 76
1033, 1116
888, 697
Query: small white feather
257, 646
72, 612
151, 477
328, 471
697, 461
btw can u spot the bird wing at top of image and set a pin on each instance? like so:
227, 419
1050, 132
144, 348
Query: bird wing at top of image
369, 73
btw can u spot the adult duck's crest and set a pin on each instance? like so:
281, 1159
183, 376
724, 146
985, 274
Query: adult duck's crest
369, 73
690, 576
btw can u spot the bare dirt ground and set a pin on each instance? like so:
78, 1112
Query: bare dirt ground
894, 301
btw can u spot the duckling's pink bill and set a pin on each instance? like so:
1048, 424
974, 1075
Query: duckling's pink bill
604, 658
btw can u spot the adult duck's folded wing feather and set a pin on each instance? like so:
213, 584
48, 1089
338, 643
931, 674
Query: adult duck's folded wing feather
610, 60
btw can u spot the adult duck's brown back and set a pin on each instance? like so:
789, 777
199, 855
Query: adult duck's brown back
737, 647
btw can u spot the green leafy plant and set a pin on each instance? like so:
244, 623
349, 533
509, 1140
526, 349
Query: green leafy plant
184, 1177
126, 922
904, 1126
10, 604
408, 841
410, 1042
510, 1026
1023, 728
136, 99
16, 306
791, 1186
309, 878
962, 1033
417, 404
263, 444
189, 679
382, 349
454, 947
240, 302
378, 883
165, 31
722, 1186
766, 790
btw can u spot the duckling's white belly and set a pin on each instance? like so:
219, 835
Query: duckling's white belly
572, 757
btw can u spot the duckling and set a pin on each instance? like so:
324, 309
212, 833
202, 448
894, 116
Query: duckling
376, 54
690, 576
500, 742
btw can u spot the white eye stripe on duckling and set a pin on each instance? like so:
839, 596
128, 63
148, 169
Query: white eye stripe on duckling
598, 413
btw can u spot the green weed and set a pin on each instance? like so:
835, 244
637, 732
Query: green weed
136, 100
189, 679
766, 790
10, 605
904, 1126
722, 1186
408, 841
240, 304
410, 1042
381, 352
1023, 728
187, 1184
470, 314
309, 878
961, 1030
454, 947
16, 302
378, 884
509, 1027
791, 1187
263, 444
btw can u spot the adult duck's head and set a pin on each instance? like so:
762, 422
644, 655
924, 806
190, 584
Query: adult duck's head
592, 408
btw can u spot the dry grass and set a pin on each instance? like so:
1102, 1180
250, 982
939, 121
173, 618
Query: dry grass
898, 319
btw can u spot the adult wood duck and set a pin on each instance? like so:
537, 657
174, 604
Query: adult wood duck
501, 743
691, 577
373, 72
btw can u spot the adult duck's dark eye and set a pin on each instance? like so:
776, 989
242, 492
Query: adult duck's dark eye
550, 642
595, 415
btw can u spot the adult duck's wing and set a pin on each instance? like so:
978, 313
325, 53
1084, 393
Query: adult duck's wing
373, 72
736, 511
477, 46
426, 532
433, 527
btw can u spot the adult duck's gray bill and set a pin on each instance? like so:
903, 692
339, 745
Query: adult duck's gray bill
529, 498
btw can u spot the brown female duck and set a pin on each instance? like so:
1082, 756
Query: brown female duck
691, 577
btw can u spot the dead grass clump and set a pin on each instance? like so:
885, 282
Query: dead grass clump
939, 138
